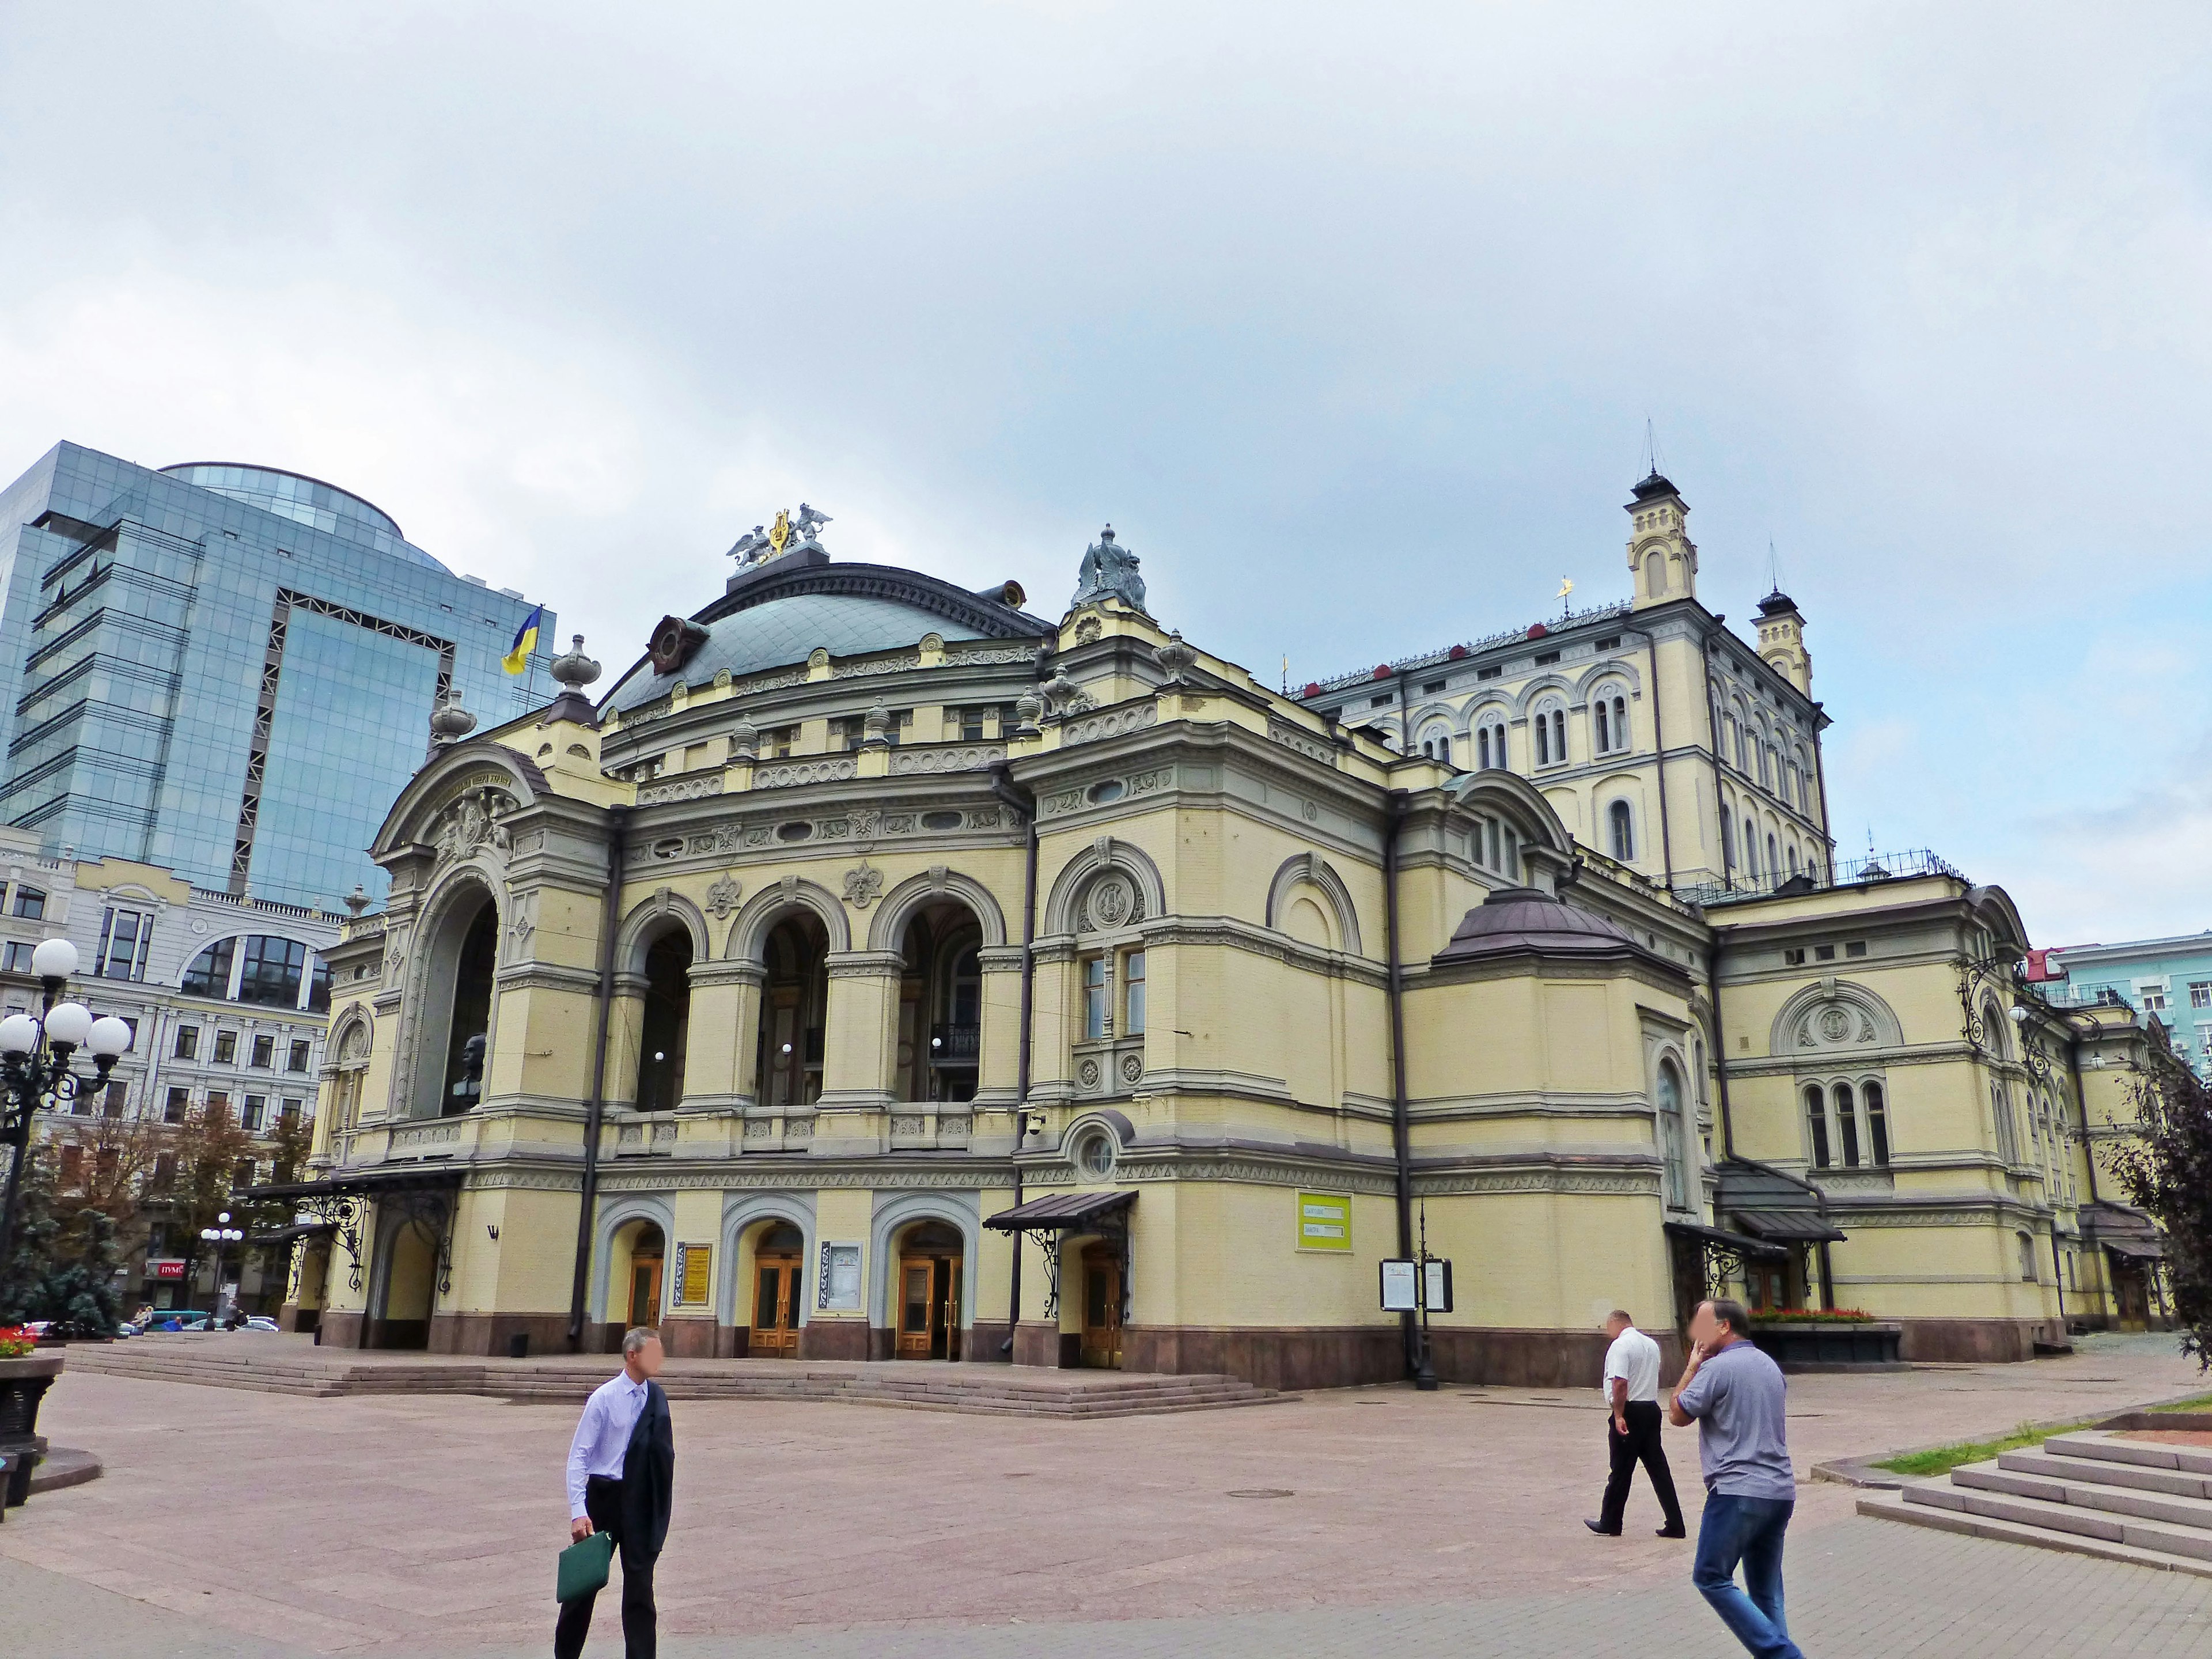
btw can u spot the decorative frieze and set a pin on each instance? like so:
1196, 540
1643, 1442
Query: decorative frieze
830, 768
694, 787
1109, 723
964, 758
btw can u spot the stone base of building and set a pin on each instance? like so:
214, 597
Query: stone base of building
293, 1317
339, 1330
1975, 1341
985, 1344
1049, 1347
1270, 1358
834, 1338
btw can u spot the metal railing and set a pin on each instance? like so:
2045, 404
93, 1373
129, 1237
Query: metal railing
1473, 647
1845, 873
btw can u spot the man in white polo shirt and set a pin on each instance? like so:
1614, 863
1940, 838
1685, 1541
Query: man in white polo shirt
1632, 1399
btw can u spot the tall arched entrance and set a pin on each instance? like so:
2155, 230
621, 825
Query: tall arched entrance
794, 1006
635, 1293
940, 1006
927, 1292
452, 1004
404, 1284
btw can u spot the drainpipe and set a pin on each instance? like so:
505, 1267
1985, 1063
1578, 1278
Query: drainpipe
1720, 797
1417, 1358
1720, 1039
1659, 741
1025, 802
610, 921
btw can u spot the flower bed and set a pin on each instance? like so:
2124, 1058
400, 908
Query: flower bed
15, 1341
1812, 1316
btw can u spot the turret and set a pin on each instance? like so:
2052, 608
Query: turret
1660, 554
1782, 640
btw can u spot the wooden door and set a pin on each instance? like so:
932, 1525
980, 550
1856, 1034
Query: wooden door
1101, 1307
2128, 1291
644, 1290
945, 1344
775, 1306
916, 1302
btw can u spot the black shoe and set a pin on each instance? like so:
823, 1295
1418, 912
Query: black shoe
1601, 1531
1672, 1532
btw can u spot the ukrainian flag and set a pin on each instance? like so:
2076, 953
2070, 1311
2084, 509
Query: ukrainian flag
525, 641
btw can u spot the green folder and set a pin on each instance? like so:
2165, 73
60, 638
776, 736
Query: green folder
584, 1567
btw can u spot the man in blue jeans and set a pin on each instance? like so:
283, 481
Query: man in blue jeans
1735, 1395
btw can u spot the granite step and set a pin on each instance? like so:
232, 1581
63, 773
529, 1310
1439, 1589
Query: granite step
2097, 1446
1892, 1506
2062, 1517
2178, 1482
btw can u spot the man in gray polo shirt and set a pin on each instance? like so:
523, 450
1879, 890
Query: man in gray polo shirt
1735, 1395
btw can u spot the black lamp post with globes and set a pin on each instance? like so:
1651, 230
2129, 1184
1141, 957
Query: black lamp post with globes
35, 1069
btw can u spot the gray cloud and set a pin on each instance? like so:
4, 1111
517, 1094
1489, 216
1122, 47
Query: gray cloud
1352, 324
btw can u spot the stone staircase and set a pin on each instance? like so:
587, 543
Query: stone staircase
990, 1390
2113, 1494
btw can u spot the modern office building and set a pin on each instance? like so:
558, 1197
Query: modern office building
228, 999
2166, 979
228, 671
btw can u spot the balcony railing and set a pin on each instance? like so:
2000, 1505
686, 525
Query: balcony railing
954, 1045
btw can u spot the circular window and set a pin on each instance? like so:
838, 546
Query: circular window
1112, 789
799, 831
940, 820
1094, 1155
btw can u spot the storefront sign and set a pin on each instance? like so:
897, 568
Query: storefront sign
1324, 1221
694, 1274
838, 1286
1401, 1286
165, 1268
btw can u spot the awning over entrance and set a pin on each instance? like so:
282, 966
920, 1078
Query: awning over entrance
360, 1183
1061, 1212
2135, 1249
1721, 1241
297, 1230
1789, 1226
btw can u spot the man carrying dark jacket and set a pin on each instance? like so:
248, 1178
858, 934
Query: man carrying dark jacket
622, 1466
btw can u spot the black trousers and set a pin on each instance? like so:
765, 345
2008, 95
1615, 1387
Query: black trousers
641, 1624
1640, 1444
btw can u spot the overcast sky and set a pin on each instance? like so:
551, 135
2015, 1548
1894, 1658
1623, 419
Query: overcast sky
1349, 318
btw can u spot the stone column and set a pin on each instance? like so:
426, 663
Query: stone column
724, 1046
860, 1047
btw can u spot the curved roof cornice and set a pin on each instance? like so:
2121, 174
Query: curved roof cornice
986, 618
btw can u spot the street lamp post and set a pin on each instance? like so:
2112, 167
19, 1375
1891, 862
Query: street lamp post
35, 1073
222, 1234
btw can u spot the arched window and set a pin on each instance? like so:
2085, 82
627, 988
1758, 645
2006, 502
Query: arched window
1816, 1124
941, 1003
667, 1023
1674, 1148
1877, 1124
1766, 765
1494, 745
1773, 863
1793, 858
210, 974
1729, 750
1604, 728
1551, 736
1623, 831
470, 1031
1482, 748
1847, 1126
1436, 744
2001, 1115
794, 1006
1728, 841
1750, 850
1609, 721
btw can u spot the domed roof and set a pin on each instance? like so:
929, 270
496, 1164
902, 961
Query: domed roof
1775, 604
1654, 486
778, 618
1522, 921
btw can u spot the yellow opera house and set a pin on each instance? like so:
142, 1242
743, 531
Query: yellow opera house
883, 972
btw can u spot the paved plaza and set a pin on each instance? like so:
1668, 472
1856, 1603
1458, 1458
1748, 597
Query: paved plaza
238, 1523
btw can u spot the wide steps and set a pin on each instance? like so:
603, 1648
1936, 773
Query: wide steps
2089, 1492
322, 1375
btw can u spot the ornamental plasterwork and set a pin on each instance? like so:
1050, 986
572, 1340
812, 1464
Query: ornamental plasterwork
1309, 744
992, 654
1110, 901
1835, 1025
523, 926
471, 822
1132, 717
835, 769
864, 885
694, 788
722, 897
906, 762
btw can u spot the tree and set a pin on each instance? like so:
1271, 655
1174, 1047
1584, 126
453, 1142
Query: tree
290, 1141
206, 1148
61, 1264
2166, 1169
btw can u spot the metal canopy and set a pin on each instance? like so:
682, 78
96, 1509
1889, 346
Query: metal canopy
1060, 1213
1789, 1226
2135, 1250
1728, 1243
366, 1183
298, 1229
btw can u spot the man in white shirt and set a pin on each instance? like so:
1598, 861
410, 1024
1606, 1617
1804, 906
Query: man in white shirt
1632, 1399
621, 1465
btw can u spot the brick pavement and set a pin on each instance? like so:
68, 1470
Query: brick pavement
428, 1525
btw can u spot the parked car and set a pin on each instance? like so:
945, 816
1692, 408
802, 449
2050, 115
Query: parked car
178, 1319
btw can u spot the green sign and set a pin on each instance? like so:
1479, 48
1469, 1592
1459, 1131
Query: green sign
1324, 1221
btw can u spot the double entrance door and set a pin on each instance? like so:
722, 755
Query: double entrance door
929, 1307
776, 1305
644, 1290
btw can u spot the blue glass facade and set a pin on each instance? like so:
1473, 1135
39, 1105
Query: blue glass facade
229, 672
2168, 978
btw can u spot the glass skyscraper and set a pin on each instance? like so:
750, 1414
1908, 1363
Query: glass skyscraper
229, 671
